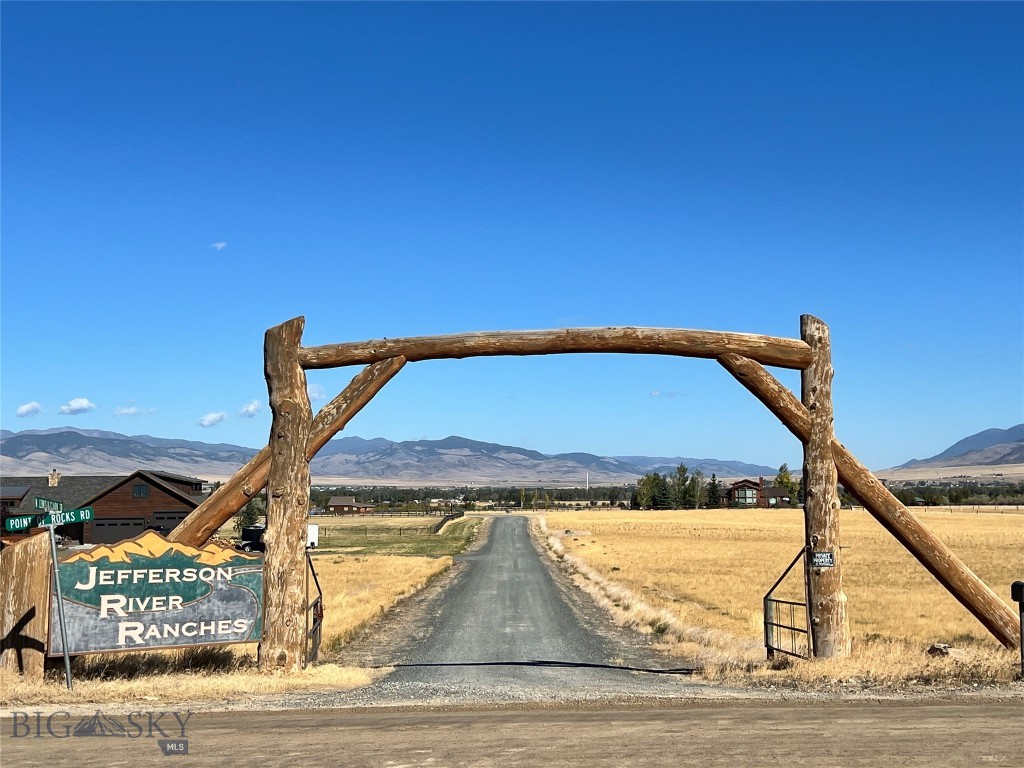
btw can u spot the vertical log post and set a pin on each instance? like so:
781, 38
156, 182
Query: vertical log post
25, 606
284, 598
829, 622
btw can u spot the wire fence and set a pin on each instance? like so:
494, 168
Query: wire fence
340, 535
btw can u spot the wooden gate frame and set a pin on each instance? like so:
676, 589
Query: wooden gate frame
296, 436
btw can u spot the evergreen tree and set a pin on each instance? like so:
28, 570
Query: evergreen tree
697, 488
251, 513
662, 498
714, 493
645, 490
679, 491
785, 480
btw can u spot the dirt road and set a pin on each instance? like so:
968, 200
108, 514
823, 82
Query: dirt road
507, 629
711, 734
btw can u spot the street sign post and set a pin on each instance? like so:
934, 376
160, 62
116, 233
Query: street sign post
19, 524
83, 515
57, 516
47, 505
24, 522
60, 605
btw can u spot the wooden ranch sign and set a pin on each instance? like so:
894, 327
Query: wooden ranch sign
148, 592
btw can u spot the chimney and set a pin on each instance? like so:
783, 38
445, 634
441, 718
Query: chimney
54, 478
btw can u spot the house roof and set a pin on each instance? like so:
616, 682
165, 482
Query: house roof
77, 491
346, 501
177, 478
13, 492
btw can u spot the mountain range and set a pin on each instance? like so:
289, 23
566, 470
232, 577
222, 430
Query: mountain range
986, 448
451, 461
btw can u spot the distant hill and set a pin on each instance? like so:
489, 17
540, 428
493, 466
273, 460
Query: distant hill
453, 460
986, 448
85, 451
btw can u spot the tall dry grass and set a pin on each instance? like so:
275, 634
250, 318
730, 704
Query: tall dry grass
697, 578
358, 590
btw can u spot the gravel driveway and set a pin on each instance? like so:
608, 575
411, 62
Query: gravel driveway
504, 628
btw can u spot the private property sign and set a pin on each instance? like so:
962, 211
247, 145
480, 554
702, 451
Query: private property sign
148, 592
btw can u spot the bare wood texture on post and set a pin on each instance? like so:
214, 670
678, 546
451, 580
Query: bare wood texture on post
196, 529
829, 621
24, 605
941, 562
284, 570
769, 350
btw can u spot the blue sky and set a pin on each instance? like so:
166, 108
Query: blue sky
177, 178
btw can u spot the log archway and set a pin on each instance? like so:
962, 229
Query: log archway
296, 436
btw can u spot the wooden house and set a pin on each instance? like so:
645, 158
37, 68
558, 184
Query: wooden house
756, 493
347, 505
123, 505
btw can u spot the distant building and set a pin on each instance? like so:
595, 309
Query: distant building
123, 505
756, 493
347, 505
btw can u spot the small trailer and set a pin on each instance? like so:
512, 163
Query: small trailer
251, 539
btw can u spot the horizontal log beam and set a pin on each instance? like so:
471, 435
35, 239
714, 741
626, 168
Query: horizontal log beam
196, 529
940, 561
768, 350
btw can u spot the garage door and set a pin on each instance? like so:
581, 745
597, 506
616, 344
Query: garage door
113, 530
169, 520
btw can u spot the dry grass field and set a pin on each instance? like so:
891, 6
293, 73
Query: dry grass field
358, 589
698, 578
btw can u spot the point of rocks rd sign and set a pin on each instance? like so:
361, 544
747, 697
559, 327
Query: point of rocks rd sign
147, 592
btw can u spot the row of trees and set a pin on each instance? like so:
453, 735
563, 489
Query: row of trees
680, 490
963, 493
683, 490
505, 496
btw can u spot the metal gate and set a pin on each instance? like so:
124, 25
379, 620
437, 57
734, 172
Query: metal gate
786, 621
314, 612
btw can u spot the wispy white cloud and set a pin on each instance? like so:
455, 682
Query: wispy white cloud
316, 392
658, 393
28, 409
250, 409
77, 405
212, 419
132, 410
220, 246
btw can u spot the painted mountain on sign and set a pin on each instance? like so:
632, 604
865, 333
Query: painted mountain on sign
151, 544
